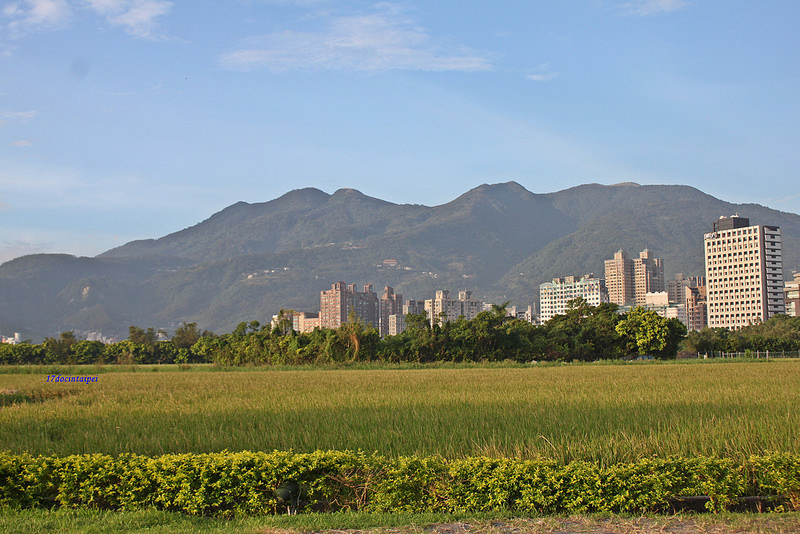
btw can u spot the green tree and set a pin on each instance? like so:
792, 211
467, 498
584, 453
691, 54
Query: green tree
501, 310
644, 332
706, 340
142, 337
357, 339
243, 329
87, 352
186, 335
58, 350
285, 320
420, 336
777, 333
584, 332
22, 353
127, 352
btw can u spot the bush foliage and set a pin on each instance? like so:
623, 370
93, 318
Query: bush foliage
231, 484
584, 333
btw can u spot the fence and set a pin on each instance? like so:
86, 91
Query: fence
754, 354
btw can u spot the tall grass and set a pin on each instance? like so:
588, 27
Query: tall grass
605, 413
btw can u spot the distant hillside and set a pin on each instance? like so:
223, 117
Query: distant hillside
249, 260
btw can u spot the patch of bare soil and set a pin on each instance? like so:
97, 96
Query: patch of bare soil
763, 524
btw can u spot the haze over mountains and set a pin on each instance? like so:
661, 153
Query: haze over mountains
250, 260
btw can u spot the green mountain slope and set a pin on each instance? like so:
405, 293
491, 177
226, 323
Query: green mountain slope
250, 260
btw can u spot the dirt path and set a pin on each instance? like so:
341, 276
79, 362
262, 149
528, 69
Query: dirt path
766, 524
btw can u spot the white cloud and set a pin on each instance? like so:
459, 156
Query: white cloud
385, 40
135, 17
22, 142
12, 10
28, 15
653, 7
542, 73
542, 77
106, 6
19, 115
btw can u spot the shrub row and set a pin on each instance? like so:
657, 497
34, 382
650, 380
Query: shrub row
237, 484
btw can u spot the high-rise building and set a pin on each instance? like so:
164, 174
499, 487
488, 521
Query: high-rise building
414, 306
619, 279
676, 287
397, 321
648, 276
629, 280
397, 324
555, 296
337, 302
442, 308
657, 298
470, 307
530, 314
792, 296
391, 303
333, 308
744, 273
695, 303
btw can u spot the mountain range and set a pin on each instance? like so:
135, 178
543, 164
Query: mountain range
248, 261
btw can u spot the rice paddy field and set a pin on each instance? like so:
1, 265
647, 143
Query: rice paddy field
607, 413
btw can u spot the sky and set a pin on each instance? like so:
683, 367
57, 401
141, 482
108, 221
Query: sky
132, 119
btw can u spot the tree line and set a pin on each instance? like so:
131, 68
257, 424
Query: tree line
778, 333
583, 333
142, 346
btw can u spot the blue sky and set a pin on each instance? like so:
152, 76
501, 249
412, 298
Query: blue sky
128, 119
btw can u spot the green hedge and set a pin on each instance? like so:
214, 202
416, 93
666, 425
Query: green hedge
237, 484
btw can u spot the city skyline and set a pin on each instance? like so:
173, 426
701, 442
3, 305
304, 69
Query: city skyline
122, 119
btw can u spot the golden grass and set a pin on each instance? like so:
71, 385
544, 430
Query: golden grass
608, 413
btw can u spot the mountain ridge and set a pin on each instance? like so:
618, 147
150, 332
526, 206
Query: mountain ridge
248, 260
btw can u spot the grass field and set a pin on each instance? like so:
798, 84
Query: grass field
91, 521
608, 413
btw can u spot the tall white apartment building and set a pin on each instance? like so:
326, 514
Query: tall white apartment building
397, 321
554, 296
442, 308
744, 273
